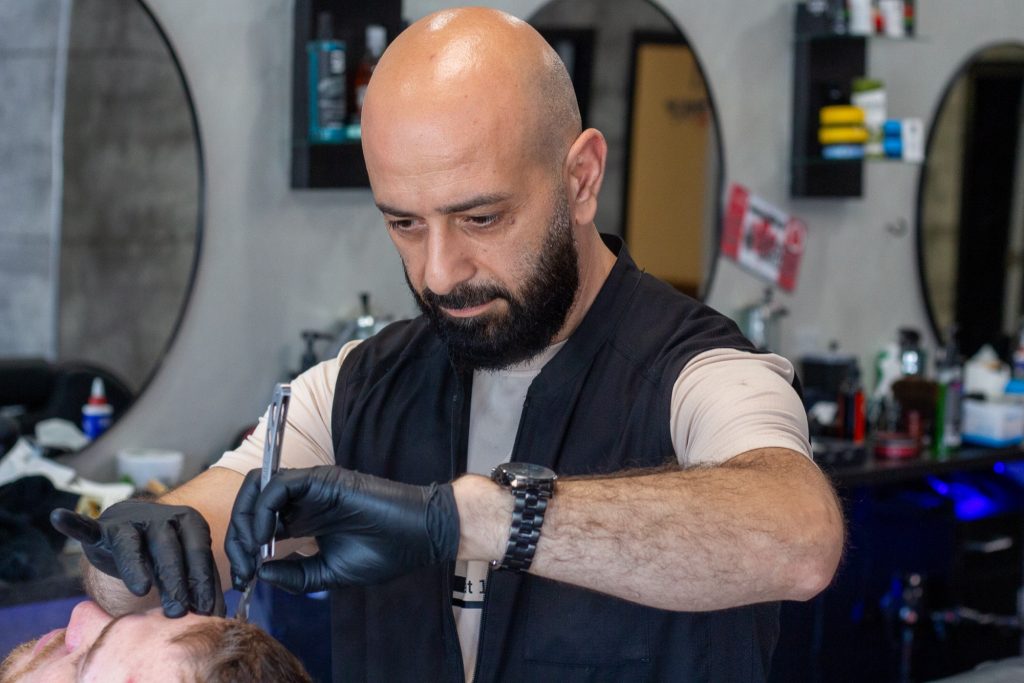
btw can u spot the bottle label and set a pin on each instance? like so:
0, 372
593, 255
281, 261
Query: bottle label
95, 423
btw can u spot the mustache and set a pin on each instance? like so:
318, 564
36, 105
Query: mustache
465, 296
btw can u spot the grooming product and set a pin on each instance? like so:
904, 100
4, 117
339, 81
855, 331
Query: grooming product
912, 140
825, 379
993, 423
851, 406
277, 415
909, 17
891, 13
842, 152
949, 378
869, 95
916, 397
842, 135
903, 139
841, 115
96, 413
860, 17
895, 446
1018, 354
842, 132
912, 358
985, 374
892, 148
327, 104
366, 325
376, 38
892, 138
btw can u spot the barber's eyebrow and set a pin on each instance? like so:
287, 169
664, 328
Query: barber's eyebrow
86, 658
458, 207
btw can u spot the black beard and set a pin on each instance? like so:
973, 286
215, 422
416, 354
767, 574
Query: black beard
498, 341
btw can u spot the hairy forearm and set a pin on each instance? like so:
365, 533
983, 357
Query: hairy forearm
764, 526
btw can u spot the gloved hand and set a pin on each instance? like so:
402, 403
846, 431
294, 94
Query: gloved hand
143, 543
369, 529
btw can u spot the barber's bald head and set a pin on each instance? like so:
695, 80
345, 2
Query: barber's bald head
472, 74
472, 141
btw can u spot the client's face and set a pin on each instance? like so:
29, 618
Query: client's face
98, 647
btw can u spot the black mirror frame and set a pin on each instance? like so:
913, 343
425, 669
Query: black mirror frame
922, 282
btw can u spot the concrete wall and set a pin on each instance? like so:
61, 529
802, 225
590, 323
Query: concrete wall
131, 192
275, 260
33, 49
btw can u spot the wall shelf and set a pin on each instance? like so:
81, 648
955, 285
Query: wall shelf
825, 64
824, 67
319, 165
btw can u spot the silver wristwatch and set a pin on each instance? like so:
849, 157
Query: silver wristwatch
531, 486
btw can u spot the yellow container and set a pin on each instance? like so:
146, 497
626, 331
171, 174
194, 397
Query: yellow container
841, 115
842, 135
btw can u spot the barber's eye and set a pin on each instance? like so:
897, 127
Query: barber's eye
483, 221
402, 224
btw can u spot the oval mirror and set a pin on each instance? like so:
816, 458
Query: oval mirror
102, 217
971, 203
639, 82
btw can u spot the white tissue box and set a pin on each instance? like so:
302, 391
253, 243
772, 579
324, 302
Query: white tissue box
992, 423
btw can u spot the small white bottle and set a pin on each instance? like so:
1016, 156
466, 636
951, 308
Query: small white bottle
1017, 359
96, 413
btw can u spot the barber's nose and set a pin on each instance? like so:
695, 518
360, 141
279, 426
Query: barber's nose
448, 260
85, 624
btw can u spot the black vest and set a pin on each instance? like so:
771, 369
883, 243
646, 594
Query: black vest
600, 405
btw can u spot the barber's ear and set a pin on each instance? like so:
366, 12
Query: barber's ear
585, 171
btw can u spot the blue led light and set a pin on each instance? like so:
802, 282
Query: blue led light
940, 487
999, 468
969, 502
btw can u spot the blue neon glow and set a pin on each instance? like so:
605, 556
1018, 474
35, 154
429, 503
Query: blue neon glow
969, 502
940, 487
999, 468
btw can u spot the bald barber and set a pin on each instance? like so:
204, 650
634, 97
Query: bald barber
652, 497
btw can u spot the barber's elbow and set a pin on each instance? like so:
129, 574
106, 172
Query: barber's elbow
819, 558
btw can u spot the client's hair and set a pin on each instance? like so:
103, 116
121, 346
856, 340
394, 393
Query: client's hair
228, 650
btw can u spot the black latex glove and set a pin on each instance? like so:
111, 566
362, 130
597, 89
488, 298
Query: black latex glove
143, 543
369, 529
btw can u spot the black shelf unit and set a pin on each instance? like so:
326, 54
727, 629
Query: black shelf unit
824, 67
316, 165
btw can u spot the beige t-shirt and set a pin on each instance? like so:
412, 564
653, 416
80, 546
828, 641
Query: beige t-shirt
724, 403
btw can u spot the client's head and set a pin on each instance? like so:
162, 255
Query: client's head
147, 646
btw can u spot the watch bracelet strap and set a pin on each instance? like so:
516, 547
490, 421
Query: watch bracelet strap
527, 518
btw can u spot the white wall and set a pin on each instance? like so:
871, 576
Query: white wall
275, 260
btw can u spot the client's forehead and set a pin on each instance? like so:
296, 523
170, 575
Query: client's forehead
141, 643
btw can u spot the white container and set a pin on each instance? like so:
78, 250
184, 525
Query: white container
892, 17
144, 464
993, 423
912, 134
860, 17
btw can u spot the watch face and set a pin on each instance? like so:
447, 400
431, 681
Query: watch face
521, 474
